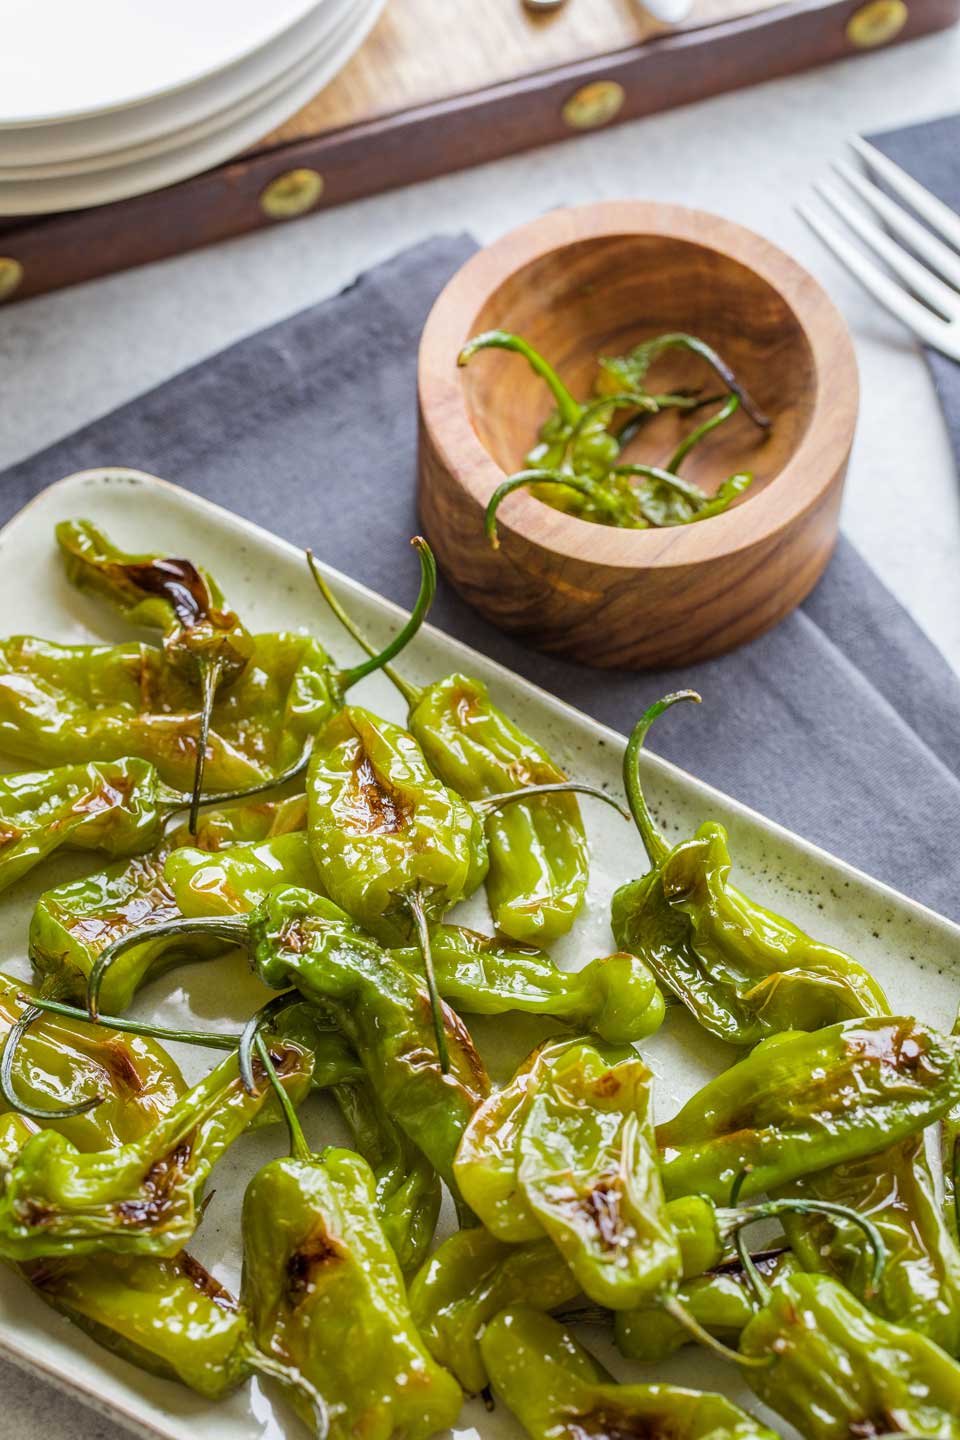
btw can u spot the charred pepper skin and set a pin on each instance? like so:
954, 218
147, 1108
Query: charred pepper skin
60, 1063
144, 1197
558, 1391
382, 828
920, 1286
801, 1102
300, 939
742, 971
326, 1297
839, 1371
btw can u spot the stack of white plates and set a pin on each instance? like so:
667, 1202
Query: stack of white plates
99, 102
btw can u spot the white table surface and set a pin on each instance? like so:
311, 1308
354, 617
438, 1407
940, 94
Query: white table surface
68, 357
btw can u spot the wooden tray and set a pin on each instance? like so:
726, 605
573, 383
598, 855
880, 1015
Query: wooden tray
428, 95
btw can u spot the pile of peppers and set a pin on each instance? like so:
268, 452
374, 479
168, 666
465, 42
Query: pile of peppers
248, 810
579, 462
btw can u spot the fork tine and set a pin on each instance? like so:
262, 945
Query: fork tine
937, 215
919, 279
917, 236
929, 327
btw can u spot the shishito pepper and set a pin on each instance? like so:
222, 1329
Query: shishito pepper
836, 1371
920, 1286
144, 1197
801, 1102
74, 703
615, 996
741, 970
74, 922
567, 1149
538, 859
326, 1296
296, 937
236, 880
65, 1068
720, 1301
468, 1280
201, 635
407, 1186
558, 1391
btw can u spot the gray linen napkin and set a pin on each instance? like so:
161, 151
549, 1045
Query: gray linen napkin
841, 724
930, 152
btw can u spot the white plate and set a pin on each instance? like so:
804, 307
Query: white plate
85, 138
323, 33
61, 60
914, 953
100, 187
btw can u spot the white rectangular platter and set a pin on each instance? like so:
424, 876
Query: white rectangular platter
914, 953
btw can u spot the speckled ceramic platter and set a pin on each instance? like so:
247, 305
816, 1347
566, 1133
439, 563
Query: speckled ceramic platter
914, 953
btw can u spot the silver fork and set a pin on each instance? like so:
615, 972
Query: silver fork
930, 303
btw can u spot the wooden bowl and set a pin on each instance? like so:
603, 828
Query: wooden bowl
594, 281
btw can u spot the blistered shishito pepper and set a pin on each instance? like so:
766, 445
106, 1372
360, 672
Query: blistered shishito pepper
202, 636
801, 1102
468, 1280
73, 703
616, 996
326, 1297
567, 1149
539, 864
167, 1315
741, 970
144, 1197
407, 1186
720, 1301
94, 1086
558, 1391
235, 880
296, 937
835, 1371
74, 922
920, 1286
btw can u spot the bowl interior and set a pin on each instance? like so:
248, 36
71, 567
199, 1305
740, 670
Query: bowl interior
602, 296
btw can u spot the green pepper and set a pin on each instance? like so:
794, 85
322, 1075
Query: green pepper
296, 937
836, 1371
130, 1080
326, 1298
236, 880
616, 996
201, 636
64, 704
558, 1391
144, 1197
720, 1301
335, 1062
407, 1186
468, 1280
73, 923
894, 1188
741, 970
801, 1102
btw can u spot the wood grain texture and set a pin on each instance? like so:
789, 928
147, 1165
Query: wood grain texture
591, 281
369, 150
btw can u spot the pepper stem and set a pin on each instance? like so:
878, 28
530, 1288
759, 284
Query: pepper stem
232, 929
415, 904
299, 1148
791, 1206
730, 407
581, 483
209, 680
681, 1314
679, 341
559, 787
173, 801
208, 1039
654, 844
260, 1018
570, 410
428, 585
8, 1092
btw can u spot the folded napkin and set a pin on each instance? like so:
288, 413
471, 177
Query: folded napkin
930, 152
841, 724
